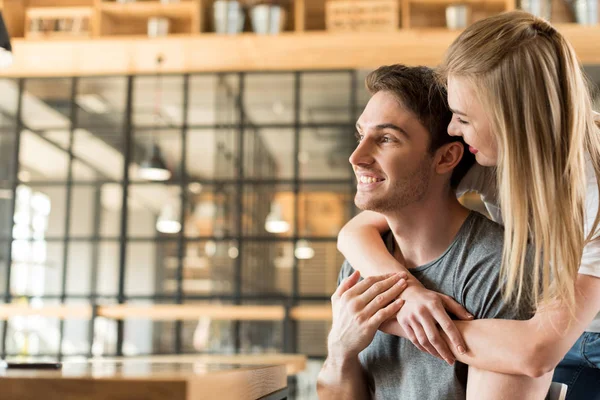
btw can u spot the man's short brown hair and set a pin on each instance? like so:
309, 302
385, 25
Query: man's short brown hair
419, 91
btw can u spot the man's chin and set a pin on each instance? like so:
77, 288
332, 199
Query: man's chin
368, 205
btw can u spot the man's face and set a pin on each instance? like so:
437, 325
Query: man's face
392, 163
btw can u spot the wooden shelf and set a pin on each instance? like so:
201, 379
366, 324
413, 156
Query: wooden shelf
471, 2
249, 52
57, 311
59, 12
174, 312
148, 9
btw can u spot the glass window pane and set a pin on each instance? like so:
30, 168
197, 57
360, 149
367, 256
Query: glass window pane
212, 210
317, 276
101, 104
208, 335
164, 145
311, 337
100, 152
269, 98
45, 154
140, 334
79, 270
33, 335
158, 101
326, 97
324, 152
269, 153
107, 283
268, 210
202, 100
154, 210
267, 268
46, 209
211, 154
47, 103
76, 332
85, 204
324, 208
145, 266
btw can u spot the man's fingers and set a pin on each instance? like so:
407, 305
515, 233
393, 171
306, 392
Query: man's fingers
455, 308
450, 329
382, 292
365, 284
345, 285
435, 339
386, 313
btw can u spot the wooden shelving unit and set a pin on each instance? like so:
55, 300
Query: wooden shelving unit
117, 31
132, 18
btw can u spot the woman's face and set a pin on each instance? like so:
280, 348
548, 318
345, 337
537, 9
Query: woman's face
470, 121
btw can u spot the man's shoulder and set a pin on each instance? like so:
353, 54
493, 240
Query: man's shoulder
482, 237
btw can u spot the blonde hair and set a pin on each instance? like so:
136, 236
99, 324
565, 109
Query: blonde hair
528, 79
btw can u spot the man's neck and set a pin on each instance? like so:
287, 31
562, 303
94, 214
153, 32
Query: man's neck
424, 231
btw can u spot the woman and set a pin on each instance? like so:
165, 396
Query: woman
521, 103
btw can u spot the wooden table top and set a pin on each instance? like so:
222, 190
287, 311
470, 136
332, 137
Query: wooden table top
139, 379
295, 363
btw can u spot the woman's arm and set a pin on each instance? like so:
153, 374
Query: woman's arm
532, 347
360, 242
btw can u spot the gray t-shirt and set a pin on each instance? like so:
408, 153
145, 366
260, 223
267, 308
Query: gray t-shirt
468, 271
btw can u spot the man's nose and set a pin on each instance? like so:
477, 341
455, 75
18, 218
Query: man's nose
362, 155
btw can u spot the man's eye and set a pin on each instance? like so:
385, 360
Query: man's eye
358, 137
386, 139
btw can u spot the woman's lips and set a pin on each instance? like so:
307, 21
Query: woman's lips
473, 150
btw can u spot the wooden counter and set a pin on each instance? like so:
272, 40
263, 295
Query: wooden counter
294, 363
138, 379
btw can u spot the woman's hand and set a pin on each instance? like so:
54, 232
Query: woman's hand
424, 313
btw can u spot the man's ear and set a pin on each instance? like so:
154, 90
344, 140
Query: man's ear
448, 156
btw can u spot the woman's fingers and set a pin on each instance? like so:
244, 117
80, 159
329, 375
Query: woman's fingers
448, 326
436, 340
455, 308
410, 335
424, 340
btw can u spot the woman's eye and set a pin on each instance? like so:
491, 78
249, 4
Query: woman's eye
462, 121
358, 137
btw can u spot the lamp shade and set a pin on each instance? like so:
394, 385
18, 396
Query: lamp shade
168, 220
6, 57
154, 167
275, 222
304, 250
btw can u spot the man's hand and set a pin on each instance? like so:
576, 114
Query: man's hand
359, 309
421, 317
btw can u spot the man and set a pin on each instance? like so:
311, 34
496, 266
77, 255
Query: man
407, 168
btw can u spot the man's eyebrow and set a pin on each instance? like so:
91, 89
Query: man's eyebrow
458, 112
387, 126
392, 127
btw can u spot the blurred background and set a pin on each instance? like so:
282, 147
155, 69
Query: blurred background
137, 206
